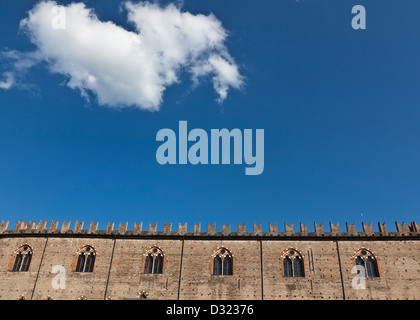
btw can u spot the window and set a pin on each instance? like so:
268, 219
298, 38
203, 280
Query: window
287, 267
371, 268
22, 258
217, 268
222, 262
153, 263
85, 259
297, 267
292, 263
366, 259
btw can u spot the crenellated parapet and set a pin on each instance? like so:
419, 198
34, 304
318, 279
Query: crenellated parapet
54, 227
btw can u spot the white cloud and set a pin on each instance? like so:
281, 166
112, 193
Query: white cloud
129, 68
8, 81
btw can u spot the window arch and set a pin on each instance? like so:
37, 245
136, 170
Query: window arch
154, 259
222, 262
292, 262
21, 258
85, 259
367, 259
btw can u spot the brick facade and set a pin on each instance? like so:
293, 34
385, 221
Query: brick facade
328, 259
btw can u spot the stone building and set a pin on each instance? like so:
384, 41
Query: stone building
39, 263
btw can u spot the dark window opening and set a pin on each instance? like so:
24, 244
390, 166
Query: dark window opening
86, 260
23, 259
154, 262
223, 263
287, 266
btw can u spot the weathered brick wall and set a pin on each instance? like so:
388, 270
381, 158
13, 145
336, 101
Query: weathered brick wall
197, 282
322, 272
16, 284
61, 252
325, 278
127, 277
399, 266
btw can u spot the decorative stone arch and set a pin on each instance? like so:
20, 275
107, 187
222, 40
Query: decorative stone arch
365, 253
21, 258
154, 251
292, 253
222, 252
85, 250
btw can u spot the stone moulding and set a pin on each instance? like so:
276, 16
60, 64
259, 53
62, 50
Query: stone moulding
405, 230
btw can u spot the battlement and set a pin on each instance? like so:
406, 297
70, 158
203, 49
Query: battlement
405, 230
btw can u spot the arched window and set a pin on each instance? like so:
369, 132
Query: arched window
227, 266
148, 267
359, 262
90, 261
292, 263
366, 259
297, 267
371, 268
22, 258
80, 263
154, 259
217, 267
157, 267
85, 259
287, 267
222, 262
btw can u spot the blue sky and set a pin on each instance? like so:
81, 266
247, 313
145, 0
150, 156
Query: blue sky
340, 109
